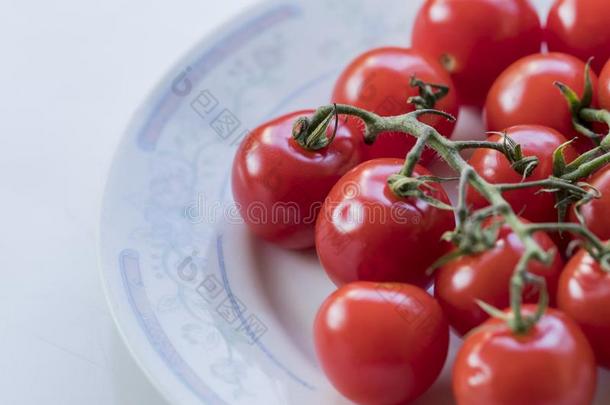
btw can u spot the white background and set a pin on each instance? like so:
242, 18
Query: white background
71, 74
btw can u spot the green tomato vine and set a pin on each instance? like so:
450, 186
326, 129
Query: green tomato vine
469, 236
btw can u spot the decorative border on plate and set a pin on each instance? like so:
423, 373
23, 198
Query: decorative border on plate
149, 135
246, 325
129, 264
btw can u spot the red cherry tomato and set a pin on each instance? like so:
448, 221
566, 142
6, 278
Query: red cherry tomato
596, 213
552, 364
365, 232
524, 93
604, 87
580, 28
476, 40
486, 277
584, 294
379, 81
279, 186
494, 167
381, 344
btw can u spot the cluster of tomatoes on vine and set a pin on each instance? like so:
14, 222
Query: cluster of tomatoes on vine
385, 230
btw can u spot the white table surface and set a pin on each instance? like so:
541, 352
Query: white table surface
71, 74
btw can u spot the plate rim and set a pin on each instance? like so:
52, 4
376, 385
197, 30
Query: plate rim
160, 381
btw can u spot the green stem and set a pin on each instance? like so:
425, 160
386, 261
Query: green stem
584, 158
486, 212
429, 93
586, 169
463, 145
550, 183
414, 155
576, 229
450, 153
462, 208
593, 115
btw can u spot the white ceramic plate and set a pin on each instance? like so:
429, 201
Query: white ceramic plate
212, 315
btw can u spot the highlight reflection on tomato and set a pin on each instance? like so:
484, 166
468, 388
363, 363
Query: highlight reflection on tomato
552, 364
381, 344
379, 81
476, 40
486, 277
365, 232
493, 166
279, 186
580, 28
525, 94
584, 294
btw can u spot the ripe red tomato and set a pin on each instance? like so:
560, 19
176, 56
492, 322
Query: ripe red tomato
584, 294
486, 276
365, 232
476, 40
604, 87
524, 93
493, 166
379, 81
279, 186
552, 364
381, 344
580, 28
596, 213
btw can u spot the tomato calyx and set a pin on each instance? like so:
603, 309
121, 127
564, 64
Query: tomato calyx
429, 94
311, 133
448, 62
582, 113
470, 238
404, 185
415, 187
580, 168
524, 165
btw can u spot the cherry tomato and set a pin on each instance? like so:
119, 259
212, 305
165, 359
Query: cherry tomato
552, 364
584, 294
604, 87
379, 81
486, 277
493, 166
596, 213
476, 40
279, 186
381, 344
525, 94
580, 28
365, 232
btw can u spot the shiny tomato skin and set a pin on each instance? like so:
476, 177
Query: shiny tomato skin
366, 233
279, 186
580, 28
596, 213
477, 39
493, 166
584, 295
525, 94
604, 87
553, 364
486, 277
378, 81
381, 344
